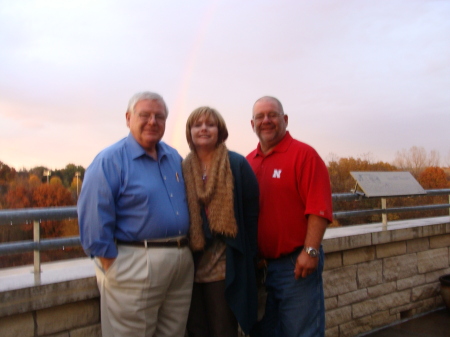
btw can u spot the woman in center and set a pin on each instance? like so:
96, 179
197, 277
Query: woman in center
222, 193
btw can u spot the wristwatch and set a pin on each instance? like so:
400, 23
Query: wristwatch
313, 252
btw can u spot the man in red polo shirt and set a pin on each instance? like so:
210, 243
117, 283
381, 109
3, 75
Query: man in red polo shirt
295, 209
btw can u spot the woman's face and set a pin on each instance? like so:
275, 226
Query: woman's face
204, 133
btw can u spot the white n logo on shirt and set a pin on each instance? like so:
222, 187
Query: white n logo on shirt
276, 174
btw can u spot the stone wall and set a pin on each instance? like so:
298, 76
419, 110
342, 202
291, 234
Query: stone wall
63, 302
373, 279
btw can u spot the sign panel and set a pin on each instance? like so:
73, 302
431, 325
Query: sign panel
387, 184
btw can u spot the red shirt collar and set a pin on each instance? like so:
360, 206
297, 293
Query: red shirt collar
282, 146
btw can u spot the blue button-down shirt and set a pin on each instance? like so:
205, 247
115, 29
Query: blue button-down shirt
127, 195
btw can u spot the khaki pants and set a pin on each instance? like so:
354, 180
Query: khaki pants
146, 292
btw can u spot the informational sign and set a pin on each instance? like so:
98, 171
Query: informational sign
387, 184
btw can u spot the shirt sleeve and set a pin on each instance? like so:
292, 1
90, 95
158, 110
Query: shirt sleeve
314, 184
97, 208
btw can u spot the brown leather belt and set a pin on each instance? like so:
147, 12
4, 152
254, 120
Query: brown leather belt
181, 242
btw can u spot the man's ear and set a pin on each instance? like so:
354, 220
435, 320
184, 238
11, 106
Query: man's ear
127, 117
253, 125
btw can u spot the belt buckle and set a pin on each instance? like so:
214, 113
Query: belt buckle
179, 243
145, 243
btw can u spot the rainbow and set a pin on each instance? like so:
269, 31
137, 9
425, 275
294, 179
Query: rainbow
177, 138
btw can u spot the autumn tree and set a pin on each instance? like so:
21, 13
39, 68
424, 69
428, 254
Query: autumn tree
51, 195
68, 173
340, 168
18, 196
433, 178
342, 182
7, 174
415, 160
55, 181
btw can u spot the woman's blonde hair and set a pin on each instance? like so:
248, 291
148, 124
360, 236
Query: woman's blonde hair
208, 113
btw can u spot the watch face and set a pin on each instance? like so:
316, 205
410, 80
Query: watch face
312, 252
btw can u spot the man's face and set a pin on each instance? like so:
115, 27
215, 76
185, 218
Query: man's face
268, 123
148, 123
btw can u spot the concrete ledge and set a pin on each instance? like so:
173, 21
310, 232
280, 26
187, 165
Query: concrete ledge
351, 237
60, 283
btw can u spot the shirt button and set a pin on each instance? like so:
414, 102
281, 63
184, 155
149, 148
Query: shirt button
164, 177
177, 213
171, 195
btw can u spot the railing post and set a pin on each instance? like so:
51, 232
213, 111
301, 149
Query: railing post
37, 253
384, 214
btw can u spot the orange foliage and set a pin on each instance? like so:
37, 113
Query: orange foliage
18, 196
48, 195
433, 177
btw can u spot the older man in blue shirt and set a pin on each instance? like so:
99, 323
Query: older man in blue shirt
133, 219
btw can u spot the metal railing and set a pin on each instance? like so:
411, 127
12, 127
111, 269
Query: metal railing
36, 215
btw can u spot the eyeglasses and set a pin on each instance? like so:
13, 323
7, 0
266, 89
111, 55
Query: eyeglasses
144, 117
271, 115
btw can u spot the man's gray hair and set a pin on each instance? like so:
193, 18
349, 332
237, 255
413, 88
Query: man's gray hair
146, 95
276, 100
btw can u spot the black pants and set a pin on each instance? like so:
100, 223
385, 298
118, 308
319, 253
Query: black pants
210, 315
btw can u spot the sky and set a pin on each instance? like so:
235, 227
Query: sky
355, 77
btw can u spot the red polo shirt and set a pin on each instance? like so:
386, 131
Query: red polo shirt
293, 183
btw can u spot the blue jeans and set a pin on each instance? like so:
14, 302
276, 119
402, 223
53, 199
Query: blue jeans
294, 308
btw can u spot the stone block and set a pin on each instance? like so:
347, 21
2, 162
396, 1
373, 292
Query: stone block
425, 292
338, 316
332, 332
407, 234
356, 327
331, 303
17, 325
382, 289
370, 273
383, 318
91, 331
402, 309
399, 267
364, 308
440, 241
393, 300
339, 281
391, 249
333, 260
358, 255
417, 245
411, 282
352, 297
381, 237
433, 230
432, 259
70, 316
434, 275
346, 242
427, 305
413, 309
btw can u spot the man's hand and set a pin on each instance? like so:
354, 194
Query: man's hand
305, 265
106, 262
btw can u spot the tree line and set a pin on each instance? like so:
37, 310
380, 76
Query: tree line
36, 188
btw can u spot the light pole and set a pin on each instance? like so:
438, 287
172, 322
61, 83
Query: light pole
47, 173
77, 174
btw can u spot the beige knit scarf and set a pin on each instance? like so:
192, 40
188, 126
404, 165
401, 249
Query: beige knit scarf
216, 195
